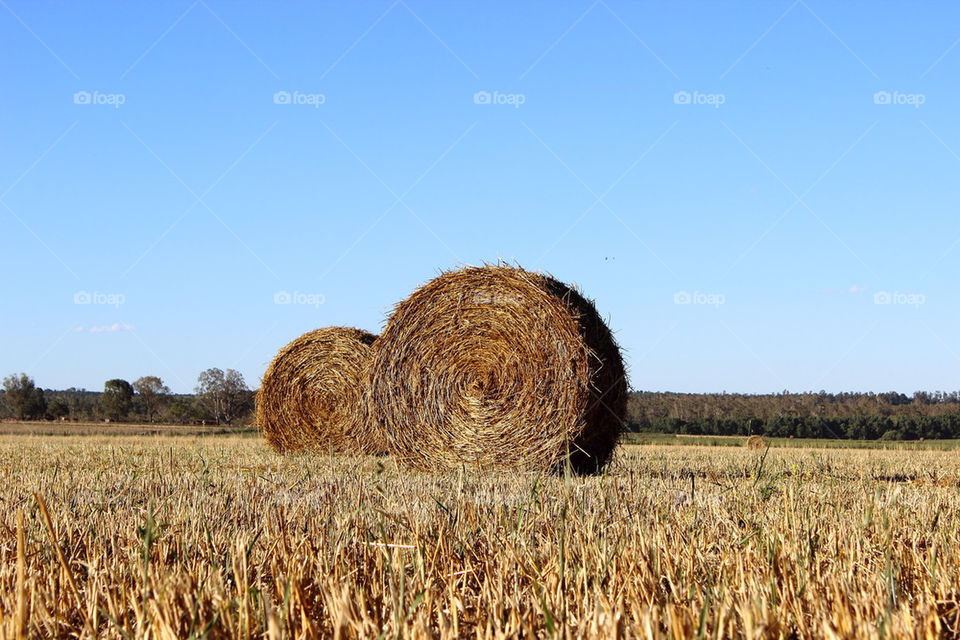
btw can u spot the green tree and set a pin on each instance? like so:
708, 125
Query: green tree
25, 400
152, 393
182, 411
117, 399
224, 394
59, 409
82, 404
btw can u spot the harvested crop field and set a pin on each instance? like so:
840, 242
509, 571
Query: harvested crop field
219, 537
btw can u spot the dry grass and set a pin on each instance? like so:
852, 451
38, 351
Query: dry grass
56, 428
222, 538
497, 367
312, 394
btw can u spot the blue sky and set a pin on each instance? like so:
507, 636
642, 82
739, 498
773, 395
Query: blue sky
759, 196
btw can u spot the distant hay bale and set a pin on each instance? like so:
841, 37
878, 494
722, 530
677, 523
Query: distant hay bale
497, 367
756, 443
312, 393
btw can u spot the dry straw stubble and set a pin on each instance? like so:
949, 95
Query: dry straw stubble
498, 367
311, 396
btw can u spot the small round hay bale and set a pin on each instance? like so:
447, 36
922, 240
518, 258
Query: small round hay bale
497, 367
756, 443
311, 396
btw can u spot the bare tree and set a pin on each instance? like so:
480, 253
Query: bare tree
222, 393
152, 393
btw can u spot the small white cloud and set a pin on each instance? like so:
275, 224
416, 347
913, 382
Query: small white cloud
110, 328
77, 329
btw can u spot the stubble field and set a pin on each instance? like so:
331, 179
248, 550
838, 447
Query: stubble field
218, 537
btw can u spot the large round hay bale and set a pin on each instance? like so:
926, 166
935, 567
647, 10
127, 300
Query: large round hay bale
756, 443
312, 394
497, 367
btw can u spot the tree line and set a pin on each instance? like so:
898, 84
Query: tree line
862, 416
220, 397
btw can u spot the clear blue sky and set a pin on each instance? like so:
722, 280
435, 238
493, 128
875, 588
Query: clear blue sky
780, 192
